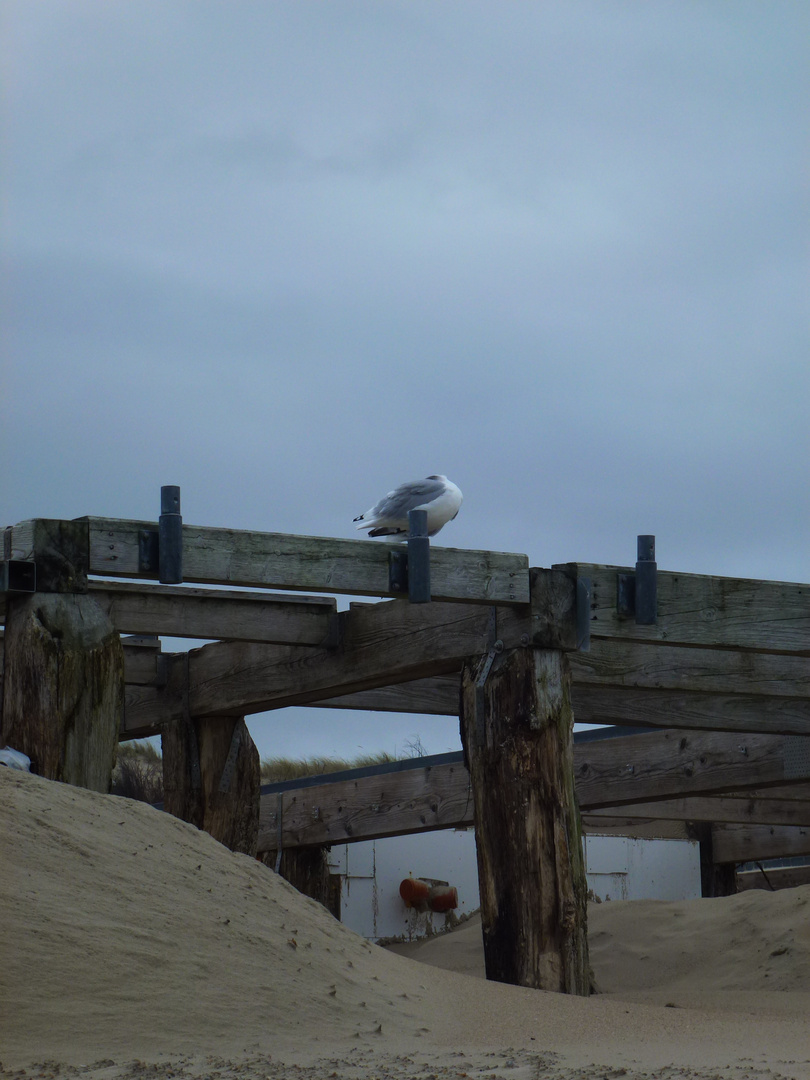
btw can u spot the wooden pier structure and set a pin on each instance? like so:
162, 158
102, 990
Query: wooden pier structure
716, 671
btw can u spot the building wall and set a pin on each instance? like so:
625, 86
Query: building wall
618, 868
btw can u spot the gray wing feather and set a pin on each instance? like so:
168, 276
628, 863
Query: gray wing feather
396, 504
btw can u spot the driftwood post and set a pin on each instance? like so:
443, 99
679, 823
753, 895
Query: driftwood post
716, 879
211, 778
517, 733
63, 692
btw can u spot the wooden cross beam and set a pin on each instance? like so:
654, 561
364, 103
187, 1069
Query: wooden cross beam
660, 766
136, 608
310, 563
380, 645
697, 609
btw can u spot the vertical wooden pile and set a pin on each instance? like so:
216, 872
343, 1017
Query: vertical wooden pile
211, 778
517, 732
63, 692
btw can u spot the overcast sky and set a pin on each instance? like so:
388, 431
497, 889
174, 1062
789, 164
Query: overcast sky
289, 254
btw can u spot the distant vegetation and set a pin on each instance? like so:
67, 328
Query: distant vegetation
138, 771
275, 770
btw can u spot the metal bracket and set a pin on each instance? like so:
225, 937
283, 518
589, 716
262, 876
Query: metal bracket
18, 576
230, 761
398, 571
170, 527
409, 571
637, 594
148, 551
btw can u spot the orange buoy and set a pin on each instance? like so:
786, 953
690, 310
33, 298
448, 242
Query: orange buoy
413, 891
443, 898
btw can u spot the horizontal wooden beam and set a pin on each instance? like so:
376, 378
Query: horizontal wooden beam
691, 710
595, 704
757, 811
696, 609
309, 563
437, 697
631, 665
785, 877
752, 843
211, 613
609, 772
380, 645
674, 764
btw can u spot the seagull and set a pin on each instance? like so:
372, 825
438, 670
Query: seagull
389, 517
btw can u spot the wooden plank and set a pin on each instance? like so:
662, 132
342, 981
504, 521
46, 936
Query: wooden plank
437, 697
381, 645
310, 563
389, 804
59, 548
396, 803
750, 843
636, 828
696, 711
780, 877
655, 666
756, 811
674, 764
698, 609
211, 613
144, 662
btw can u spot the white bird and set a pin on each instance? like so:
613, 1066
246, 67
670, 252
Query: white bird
389, 517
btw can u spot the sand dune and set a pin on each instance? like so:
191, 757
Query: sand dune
132, 944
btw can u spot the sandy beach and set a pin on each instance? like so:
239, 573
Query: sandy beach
134, 945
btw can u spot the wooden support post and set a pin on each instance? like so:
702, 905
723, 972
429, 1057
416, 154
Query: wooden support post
716, 879
517, 733
307, 869
63, 693
211, 778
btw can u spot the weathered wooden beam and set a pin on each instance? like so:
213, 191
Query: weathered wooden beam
750, 843
60, 550
781, 877
594, 704
437, 697
211, 613
381, 645
631, 665
691, 710
394, 803
759, 810
636, 828
697, 609
310, 563
371, 807
673, 764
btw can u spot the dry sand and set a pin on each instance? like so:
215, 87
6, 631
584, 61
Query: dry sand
135, 946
